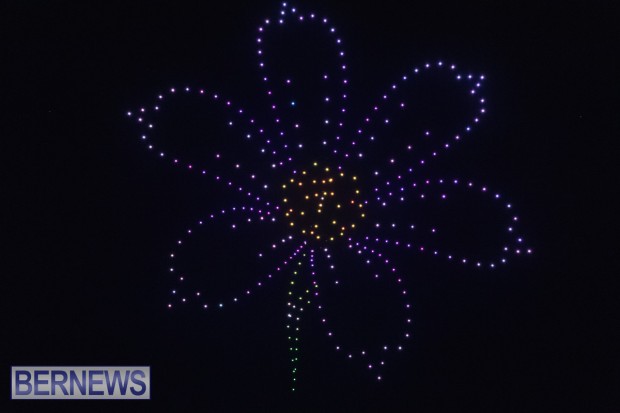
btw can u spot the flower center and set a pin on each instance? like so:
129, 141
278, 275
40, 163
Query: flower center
322, 203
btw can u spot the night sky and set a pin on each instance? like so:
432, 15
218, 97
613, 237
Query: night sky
90, 216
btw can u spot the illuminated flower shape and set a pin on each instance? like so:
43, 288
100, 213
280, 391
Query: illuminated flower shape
311, 196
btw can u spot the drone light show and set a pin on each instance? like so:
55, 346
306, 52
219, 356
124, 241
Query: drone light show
332, 184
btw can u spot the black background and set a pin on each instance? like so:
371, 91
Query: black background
89, 215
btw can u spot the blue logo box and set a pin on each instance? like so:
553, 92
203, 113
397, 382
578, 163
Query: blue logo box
80, 383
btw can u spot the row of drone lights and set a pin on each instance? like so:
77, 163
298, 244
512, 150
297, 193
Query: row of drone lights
476, 83
244, 120
312, 17
296, 304
363, 354
262, 216
510, 229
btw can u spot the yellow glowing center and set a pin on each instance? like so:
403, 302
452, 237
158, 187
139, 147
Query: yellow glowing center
322, 203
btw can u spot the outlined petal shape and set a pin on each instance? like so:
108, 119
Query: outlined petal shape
456, 220
362, 303
207, 275
203, 132
307, 102
429, 110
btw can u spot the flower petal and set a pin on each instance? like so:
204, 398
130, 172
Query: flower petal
449, 218
430, 109
226, 257
302, 66
362, 304
204, 133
